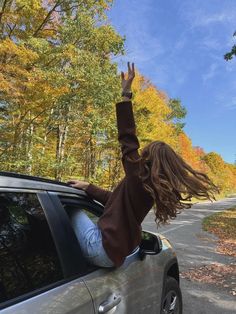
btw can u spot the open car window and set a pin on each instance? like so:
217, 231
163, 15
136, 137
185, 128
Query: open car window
92, 209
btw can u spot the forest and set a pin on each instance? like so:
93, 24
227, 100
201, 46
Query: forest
59, 82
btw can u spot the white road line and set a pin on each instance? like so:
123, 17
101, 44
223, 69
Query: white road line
189, 222
184, 225
162, 232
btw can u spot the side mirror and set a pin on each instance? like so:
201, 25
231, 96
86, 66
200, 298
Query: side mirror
150, 245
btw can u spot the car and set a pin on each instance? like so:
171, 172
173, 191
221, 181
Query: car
42, 268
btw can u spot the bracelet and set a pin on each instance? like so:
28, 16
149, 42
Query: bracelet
127, 94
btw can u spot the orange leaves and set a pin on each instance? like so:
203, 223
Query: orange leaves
188, 153
223, 225
222, 173
197, 158
214, 273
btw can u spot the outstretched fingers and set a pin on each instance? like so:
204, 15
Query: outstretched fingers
131, 70
128, 78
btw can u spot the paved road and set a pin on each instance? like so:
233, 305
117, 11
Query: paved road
195, 247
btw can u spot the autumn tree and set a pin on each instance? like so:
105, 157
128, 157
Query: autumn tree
56, 73
58, 88
154, 117
222, 173
188, 152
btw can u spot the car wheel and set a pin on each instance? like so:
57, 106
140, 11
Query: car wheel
172, 297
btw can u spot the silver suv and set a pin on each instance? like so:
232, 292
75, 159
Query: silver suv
42, 269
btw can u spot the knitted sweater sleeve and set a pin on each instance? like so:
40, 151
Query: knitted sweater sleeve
98, 193
127, 138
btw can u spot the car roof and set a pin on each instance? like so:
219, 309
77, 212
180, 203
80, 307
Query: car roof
22, 181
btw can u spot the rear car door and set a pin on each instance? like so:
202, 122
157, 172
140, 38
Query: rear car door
131, 288
35, 273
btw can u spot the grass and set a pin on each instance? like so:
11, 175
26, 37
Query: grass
223, 224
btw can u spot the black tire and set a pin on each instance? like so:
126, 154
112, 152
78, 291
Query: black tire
172, 297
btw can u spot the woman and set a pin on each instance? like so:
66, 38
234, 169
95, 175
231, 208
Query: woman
158, 176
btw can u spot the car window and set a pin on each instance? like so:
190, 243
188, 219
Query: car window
91, 209
28, 258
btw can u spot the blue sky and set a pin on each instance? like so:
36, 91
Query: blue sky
179, 45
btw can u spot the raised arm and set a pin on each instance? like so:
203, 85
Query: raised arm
126, 126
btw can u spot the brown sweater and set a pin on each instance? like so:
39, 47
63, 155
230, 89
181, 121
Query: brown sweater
125, 207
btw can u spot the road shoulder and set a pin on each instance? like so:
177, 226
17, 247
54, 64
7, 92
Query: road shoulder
196, 248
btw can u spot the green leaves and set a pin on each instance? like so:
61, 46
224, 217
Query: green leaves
57, 80
58, 88
228, 56
178, 113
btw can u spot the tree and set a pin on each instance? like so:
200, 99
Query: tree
58, 88
56, 77
223, 174
152, 112
178, 113
228, 56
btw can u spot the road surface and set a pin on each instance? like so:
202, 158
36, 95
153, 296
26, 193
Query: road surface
195, 247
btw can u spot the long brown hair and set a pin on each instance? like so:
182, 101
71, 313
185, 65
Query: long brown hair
171, 181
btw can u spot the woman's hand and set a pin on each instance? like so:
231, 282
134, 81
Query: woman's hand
78, 184
126, 83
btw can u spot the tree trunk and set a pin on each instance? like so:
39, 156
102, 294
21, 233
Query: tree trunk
29, 147
47, 130
62, 131
87, 161
92, 157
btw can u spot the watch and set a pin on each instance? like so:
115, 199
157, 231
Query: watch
127, 94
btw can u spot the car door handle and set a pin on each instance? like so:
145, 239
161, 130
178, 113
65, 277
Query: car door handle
109, 304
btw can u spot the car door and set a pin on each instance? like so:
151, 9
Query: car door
35, 276
131, 288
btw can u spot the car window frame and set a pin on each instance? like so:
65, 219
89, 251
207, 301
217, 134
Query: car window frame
95, 206
98, 208
68, 248
54, 217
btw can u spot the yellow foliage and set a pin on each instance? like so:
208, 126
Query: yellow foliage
17, 54
151, 109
